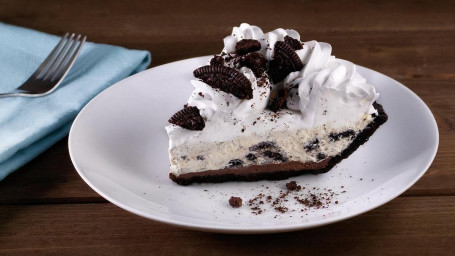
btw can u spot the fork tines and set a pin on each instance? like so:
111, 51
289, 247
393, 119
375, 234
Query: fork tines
61, 58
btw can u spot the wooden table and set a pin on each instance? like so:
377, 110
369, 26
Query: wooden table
47, 209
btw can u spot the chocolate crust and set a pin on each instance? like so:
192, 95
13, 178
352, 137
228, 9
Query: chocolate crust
283, 170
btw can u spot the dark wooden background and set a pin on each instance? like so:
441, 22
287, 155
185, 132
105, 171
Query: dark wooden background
47, 209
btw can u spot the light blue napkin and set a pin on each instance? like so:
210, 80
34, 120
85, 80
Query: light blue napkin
29, 126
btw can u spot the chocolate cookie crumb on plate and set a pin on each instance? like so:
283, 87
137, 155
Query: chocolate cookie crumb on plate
291, 185
235, 202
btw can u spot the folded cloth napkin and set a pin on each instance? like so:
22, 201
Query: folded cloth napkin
29, 126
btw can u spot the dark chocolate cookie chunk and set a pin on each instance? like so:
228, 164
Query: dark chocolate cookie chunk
245, 46
235, 162
251, 157
337, 136
278, 102
312, 145
263, 145
285, 61
293, 43
321, 156
292, 185
217, 61
188, 118
274, 156
256, 62
226, 79
235, 201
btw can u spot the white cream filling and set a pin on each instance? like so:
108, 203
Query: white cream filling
213, 155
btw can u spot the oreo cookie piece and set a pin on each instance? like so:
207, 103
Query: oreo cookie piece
235, 163
188, 118
217, 61
226, 79
293, 43
251, 157
245, 46
274, 156
285, 61
337, 136
263, 145
256, 62
278, 102
321, 156
312, 145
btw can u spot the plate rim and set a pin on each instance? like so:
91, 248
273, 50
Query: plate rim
247, 230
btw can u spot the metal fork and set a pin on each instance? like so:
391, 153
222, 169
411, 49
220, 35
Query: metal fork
51, 72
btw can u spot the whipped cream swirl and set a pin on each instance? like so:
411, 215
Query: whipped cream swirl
326, 91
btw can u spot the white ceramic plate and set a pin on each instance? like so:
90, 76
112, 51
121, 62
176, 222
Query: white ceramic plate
119, 147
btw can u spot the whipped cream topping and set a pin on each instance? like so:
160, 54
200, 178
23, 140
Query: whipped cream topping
327, 91
335, 93
268, 40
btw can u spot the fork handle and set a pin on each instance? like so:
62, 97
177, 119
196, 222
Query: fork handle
16, 93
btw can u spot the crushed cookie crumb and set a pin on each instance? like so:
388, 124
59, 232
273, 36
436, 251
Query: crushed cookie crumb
281, 209
235, 202
291, 185
294, 194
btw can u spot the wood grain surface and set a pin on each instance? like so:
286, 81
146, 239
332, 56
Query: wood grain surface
47, 209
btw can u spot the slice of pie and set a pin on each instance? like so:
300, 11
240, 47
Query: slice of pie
270, 107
